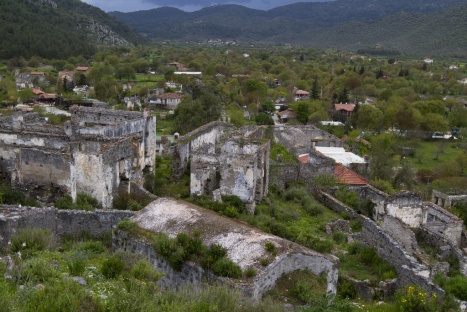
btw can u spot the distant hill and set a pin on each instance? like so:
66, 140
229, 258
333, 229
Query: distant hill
416, 26
58, 29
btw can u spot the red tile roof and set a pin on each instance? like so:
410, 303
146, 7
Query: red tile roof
37, 91
289, 113
346, 107
302, 92
82, 68
347, 176
304, 159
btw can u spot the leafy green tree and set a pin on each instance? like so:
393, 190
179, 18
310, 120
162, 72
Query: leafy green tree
315, 89
263, 119
425, 107
382, 163
369, 118
191, 114
125, 71
303, 111
458, 116
434, 122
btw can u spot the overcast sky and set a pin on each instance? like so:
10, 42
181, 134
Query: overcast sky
185, 5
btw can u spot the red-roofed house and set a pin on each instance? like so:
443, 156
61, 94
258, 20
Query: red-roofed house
39, 76
346, 176
287, 115
301, 95
344, 109
37, 91
66, 74
82, 69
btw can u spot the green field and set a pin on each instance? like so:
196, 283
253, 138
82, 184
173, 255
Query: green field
430, 155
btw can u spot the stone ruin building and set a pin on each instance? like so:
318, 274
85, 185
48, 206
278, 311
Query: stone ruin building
245, 246
221, 160
97, 152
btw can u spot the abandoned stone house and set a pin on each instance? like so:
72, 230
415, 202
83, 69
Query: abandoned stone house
223, 161
98, 152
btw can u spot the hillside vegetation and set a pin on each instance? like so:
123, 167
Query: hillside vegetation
58, 29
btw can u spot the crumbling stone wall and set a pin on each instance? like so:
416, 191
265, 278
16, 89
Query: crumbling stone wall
368, 192
206, 138
409, 271
446, 200
443, 223
220, 160
407, 207
59, 222
92, 153
402, 234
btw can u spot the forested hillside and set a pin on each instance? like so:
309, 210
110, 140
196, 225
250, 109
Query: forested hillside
424, 27
58, 29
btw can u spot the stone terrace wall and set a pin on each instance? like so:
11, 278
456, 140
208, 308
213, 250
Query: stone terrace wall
409, 271
59, 222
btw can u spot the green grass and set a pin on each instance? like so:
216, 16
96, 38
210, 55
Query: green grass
164, 125
46, 284
427, 151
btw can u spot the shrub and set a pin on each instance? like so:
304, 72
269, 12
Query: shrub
457, 286
325, 181
384, 186
414, 299
142, 269
30, 241
76, 263
225, 267
345, 288
311, 206
321, 245
66, 202
295, 194
265, 262
127, 226
234, 201
303, 292
214, 253
83, 202
270, 246
339, 237
192, 245
34, 270
112, 267
91, 247
11, 197
351, 199
250, 272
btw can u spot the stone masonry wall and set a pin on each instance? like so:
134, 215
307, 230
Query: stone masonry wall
59, 222
206, 137
409, 271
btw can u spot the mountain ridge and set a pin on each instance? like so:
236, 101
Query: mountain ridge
304, 23
58, 29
